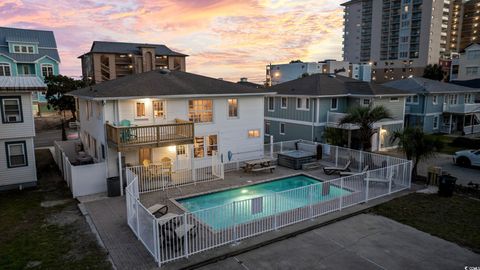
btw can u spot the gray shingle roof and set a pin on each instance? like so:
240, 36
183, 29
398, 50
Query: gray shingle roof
421, 85
326, 85
159, 83
44, 39
475, 83
124, 47
30, 83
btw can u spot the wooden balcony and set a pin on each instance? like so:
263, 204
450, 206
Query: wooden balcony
131, 137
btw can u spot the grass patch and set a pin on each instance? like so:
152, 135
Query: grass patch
455, 219
39, 237
448, 147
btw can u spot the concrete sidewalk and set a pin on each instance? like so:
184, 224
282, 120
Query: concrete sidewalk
361, 242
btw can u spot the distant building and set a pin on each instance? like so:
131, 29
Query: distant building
281, 73
467, 65
464, 24
439, 107
305, 107
110, 60
17, 130
25, 52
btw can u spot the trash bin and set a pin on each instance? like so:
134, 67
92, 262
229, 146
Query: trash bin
113, 186
446, 185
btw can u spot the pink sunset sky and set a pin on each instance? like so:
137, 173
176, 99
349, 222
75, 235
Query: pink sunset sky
225, 39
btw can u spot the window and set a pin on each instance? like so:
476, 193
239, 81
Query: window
435, 100
453, 99
16, 154
140, 109
254, 133
412, 99
366, 102
282, 128
159, 109
468, 98
472, 71
271, 104
284, 103
409, 99
11, 109
202, 145
47, 70
5, 69
232, 107
435, 122
267, 128
200, 110
23, 49
303, 103
334, 104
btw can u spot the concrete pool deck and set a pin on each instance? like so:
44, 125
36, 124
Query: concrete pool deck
127, 252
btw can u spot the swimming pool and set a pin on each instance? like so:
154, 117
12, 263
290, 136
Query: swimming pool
244, 204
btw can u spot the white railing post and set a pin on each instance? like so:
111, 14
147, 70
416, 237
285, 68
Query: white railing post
310, 199
271, 146
155, 237
341, 193
185, 237
390, 177
367, 180
275, 210
136, 214
336, 156
360, 160
234, 224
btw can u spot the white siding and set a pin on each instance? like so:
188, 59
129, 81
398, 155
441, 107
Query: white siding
19, 175
24, 129
92, 125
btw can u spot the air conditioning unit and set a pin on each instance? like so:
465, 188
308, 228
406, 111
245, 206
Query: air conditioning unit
13, 118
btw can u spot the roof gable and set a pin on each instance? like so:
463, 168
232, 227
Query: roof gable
45, 40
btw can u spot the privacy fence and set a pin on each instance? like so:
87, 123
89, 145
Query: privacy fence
169, 239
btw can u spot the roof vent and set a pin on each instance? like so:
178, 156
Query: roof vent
164, 71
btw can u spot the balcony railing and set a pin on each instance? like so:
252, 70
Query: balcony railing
122, 137
461, 108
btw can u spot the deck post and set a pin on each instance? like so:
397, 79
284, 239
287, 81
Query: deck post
120, 174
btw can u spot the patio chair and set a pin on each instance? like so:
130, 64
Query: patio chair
158, 210
365, 169
174, 233
332, 170
126, 134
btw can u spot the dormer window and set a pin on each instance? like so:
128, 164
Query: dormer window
47, 70
23, 48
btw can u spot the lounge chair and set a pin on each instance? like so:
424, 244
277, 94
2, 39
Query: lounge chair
174, 231
332, 170
158, 210
365, 169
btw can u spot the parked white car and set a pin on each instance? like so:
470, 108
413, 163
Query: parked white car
467, 158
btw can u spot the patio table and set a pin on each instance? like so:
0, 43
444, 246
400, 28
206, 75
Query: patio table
251, 164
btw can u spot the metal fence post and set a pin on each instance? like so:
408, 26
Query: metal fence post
341, 194
367, 179
336, 156
136, 214
360, 167
310, 199
271, 146
410, 175
275, 211
390, 177
234, 224
185, 244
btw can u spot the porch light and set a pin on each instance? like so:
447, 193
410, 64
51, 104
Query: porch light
172, 149
277, 74
383, 131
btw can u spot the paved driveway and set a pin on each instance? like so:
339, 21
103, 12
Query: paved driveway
361, 242
464, 175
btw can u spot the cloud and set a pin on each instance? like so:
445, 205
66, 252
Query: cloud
224, 38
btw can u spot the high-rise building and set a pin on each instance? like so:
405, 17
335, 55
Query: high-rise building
397, 37
464, 24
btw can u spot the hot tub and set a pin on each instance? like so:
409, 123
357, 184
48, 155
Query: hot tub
295, 159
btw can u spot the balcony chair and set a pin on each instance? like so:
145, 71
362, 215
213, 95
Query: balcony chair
126, 134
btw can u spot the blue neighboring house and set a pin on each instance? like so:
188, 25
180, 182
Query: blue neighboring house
305, 107
439, 107
25, 52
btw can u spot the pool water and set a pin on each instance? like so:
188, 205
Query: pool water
258, 200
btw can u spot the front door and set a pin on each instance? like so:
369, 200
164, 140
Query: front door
144, 156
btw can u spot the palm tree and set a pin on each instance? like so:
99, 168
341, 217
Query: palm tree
416, 145
365, 118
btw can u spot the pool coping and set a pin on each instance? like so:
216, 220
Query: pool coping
179, 205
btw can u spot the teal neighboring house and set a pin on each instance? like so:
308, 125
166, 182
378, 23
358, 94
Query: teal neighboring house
25, 52
439, 107
305, 107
